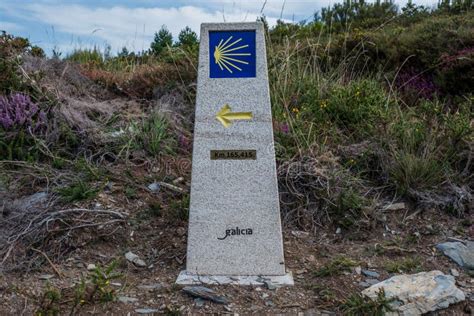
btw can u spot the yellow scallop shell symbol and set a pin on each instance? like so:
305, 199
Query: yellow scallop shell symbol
227, 56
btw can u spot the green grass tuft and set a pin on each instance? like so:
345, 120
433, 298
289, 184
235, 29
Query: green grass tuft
359, 305
77, 191
336, 267
406, 265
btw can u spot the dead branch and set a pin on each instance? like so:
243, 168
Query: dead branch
49, 232
49, 261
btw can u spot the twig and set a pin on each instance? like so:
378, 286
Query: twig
24, 307
83, 210
21, 228
49, 261
172, 187
86, 225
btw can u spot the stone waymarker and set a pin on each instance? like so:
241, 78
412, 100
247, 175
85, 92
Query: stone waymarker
234, 219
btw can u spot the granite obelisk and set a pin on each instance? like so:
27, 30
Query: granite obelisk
234, 219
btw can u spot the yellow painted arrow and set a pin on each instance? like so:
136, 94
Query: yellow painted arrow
225, 116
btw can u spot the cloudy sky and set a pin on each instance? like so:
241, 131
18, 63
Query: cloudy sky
70, 24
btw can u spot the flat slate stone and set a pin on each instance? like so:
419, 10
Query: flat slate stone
369, 273
205, 293
234, 219
461, 253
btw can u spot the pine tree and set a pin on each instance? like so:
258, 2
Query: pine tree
187, 37
163, 40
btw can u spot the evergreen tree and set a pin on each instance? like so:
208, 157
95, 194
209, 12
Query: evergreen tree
187, 37
123, 53
163, 40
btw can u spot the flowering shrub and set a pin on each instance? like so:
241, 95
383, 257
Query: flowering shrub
357, 107
456, 74
281, 127
417, 83
18, 111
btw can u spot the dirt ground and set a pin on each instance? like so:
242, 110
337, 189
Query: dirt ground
161, 243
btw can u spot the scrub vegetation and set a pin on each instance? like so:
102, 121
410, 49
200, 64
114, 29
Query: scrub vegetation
372, 104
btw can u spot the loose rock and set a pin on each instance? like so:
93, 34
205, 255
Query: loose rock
395, 207
26, 204
419, 293
270, 285
146, 310
199, 302
461, 253
154, 187
126, 299
372, 281
371, 274
151, 287
269, 303
133, 258
205, 293
46, 276
299, 234
91, 267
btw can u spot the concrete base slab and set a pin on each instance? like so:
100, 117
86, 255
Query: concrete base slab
189, 278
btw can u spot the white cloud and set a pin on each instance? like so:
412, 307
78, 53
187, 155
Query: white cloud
131, 27
301, 9
68, 25
277, 8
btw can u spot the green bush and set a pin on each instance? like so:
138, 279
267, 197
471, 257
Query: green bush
347, 207
425, 146
415, 165
411, 172
11, 49
359, 13
19, 146
100, 278
87, 56
357, 108
436, 44
455, 75
428, 40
